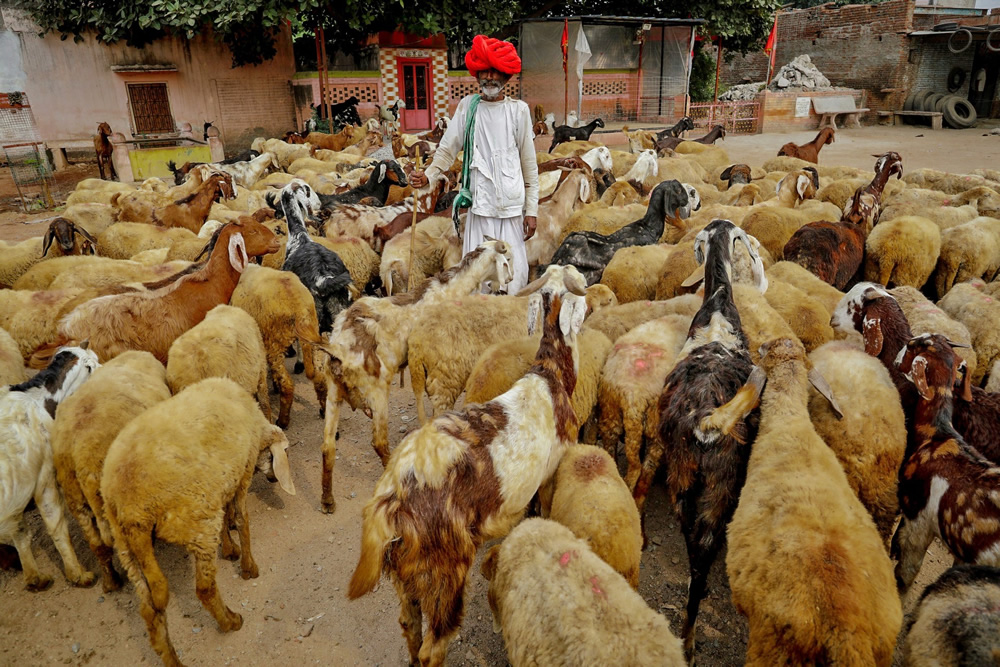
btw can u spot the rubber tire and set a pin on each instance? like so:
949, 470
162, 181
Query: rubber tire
940, 103
908, 104
932, 100
918, 101
954, 118
956, 78
968, 43
915, 104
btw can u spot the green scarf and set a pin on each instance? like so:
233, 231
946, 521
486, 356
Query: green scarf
464, 198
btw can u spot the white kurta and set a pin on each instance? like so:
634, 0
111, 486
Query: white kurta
503, 178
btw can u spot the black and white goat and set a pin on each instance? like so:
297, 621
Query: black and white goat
389, 116
708, 415
564, 133
590, 252
683, 124
344, 113
383, 176
320, 269
26, 468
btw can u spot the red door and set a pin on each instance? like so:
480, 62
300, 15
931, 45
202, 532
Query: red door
415, 82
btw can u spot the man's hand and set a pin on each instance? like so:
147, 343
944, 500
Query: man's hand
530, 222
418, 178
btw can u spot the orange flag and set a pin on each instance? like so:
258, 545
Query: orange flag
565, 43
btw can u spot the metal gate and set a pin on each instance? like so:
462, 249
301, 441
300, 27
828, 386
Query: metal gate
736, 117
23, 153
150, 108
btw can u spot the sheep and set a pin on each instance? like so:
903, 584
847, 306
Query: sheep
774, 225
807, 317
12, 370
947, 489
631, 382
503, 363
617, 320
979, 313
945, 217
810, 151
618, 194
227, 343
85, 426
17, 258
706, 466
125, 239
955, 621
680, 272
591, 252
602, 219
925, 317
640, 140
467, 477
382, 175
564, 133
645, 169
95, 218
985, 200
26, 413
285, 153
437, 247
948, 183
970, 250
189, 212
869, 439
873, 312
596, 618
368, 346
633, 272
108, 274
834, 251
672, 143
152, 320
178, 470
553, 215
32, 317
805, 562
902, 251
791, 273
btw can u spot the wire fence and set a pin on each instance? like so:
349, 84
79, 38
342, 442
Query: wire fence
736, 117
24, 153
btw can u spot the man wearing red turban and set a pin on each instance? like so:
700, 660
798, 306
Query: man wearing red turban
503, 176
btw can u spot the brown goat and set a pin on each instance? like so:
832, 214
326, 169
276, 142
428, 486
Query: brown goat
192, 211
835, 251
670, 143
809, 152
104, 149
152, 320
65, 233
946, 488
331, 142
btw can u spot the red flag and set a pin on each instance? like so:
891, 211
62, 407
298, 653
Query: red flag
565, 43
772, 38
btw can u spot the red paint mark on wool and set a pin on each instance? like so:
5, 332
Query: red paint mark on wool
640, 364
565, 558
595, 585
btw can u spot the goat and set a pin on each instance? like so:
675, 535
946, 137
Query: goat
670, 143
553, 214
383, 176
151, 320
710, 384
320, 269
947, 489
389, 115
435, 134
564, 133
685, 123
104, 149
192, 211
835, 251
369, 345
590, 252
64, 233
27, 411
467, 477
873, 312
737, 173
245, 173
331, 142
180, 173
345, 113
809, 152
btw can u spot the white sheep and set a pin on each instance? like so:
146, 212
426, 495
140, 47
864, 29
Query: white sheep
85, 426
558, 604
633, 272
227, 343
437, 247
124, 239
26, 413
12, 370
902, 251
970, 250
980, 313
182, 469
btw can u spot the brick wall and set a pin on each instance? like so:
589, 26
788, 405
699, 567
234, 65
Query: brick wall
779, 110
936, 61
254, 107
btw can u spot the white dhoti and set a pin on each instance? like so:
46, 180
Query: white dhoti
510, 230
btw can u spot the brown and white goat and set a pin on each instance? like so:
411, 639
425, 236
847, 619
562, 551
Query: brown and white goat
192, 211
707, 417
152, 320
947, 489
368, 346
64, 233
809, 152
468, 476
835, 251
104, 149
869, 309
378, 224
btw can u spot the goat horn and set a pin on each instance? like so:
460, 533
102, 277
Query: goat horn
533, 286
572, 282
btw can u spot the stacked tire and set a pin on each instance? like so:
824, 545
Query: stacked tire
958, 111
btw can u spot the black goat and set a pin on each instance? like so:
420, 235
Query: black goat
683, 124
384, 175
590, 252
320, 269
708, 417
345, 113
564, 133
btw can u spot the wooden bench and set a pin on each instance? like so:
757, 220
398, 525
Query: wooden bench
58, 149
897, 117
828, 108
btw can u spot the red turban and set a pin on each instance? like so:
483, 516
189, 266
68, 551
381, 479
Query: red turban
488, 53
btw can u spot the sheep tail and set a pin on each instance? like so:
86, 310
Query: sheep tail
376, 533
307, 331
135, 550
42, 356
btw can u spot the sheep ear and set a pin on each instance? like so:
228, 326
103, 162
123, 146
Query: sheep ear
802, 183
696, 276
504, 271
872, 332
381, 173
756, 264
966, 389
279, 463
725, 175
918, 376
534, 307
238, 252
584, 190
571, 314
50, 236
820, 384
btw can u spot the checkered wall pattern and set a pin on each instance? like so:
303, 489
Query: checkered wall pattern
439, 77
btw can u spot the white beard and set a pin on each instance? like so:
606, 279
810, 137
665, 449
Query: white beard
490, 89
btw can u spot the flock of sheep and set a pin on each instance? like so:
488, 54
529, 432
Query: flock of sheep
809, 352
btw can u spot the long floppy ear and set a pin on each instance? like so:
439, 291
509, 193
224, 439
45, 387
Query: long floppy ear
802, 184
238, 252
696, 276
571, 314
756, 264
50, 236
820, 384
381, 173
966, 389
872, 333
85, 234
279, 462
534, 307
918, 375
584, 190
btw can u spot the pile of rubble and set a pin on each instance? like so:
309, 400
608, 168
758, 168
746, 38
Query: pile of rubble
800, 74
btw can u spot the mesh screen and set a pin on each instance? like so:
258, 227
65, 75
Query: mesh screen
665, 53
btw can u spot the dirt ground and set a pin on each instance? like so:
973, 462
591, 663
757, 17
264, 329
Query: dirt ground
296, 612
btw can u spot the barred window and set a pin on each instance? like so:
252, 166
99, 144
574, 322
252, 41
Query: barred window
150, 108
